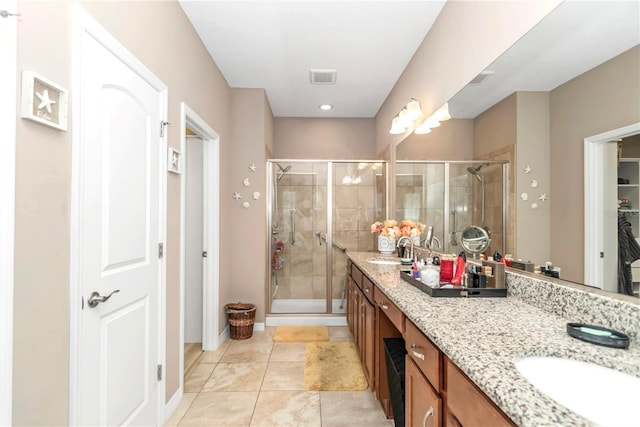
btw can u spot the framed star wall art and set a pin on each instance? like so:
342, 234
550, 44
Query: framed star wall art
174, 161
44, 101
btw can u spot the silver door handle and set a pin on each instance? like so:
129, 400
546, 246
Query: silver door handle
95, 298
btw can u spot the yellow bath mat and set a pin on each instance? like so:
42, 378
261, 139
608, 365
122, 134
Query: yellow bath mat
333, 366
301, 334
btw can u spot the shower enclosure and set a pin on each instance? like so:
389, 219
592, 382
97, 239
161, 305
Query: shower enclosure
453, 195
317, 211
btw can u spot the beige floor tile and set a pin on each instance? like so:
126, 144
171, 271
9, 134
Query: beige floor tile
221, 409
247, 351
284, 376
178, 413
216, 355
351, 408
287, 409
236, 377
198, 377
340, 333
288, 352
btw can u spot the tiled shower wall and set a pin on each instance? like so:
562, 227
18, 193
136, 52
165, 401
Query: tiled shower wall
354, 208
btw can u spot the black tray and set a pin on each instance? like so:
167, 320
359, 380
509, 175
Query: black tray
454, 292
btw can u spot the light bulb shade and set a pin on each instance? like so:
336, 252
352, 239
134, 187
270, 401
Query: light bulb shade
443, 113
432, 122
405, 119
414, 112
396, 128
422, 129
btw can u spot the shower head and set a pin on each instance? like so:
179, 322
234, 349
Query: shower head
476, 171
282, 171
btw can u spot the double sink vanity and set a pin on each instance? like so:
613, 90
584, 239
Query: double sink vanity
474, 361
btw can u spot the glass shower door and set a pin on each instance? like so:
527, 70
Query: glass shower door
298, 263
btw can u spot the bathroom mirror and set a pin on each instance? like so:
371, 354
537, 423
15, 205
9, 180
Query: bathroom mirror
475, 240
591, 36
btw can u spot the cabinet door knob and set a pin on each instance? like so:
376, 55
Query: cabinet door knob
383, 306
428, 414
415, 353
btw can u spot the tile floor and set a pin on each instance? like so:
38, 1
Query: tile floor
260, 383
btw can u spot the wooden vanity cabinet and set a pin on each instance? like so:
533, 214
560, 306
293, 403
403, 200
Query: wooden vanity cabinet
361, 319
423, 379
466, 405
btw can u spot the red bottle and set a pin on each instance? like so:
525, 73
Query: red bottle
462, 260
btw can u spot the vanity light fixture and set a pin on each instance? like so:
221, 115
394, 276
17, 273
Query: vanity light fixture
396, 128
422, 128
414, 112
407, 118
326, 107
434, 120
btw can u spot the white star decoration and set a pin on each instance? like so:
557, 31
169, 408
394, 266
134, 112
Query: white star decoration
237, 196
543, 197
527, 169
174, 160
45, 101
252, 168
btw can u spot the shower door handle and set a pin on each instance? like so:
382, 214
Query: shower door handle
293, 227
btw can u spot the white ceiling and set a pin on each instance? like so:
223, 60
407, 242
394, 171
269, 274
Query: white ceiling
274, 44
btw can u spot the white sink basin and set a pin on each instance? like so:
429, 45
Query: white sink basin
383, 261
602, 395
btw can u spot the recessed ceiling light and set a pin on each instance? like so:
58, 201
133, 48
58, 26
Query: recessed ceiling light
326, 107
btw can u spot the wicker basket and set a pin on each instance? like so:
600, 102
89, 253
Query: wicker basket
241, 318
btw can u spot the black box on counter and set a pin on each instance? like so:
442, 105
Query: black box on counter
521, 265
447, 290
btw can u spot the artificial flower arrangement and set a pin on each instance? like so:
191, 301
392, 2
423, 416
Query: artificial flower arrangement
411, 228
390, 228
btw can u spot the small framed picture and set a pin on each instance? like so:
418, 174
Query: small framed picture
174, 161
44, 101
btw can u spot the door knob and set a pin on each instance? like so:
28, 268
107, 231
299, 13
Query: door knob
95, 298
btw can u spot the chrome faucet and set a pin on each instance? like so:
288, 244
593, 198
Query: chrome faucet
405, 245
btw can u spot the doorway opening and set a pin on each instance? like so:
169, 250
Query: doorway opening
600, 207
199, 245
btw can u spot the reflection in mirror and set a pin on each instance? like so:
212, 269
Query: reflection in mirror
447, 197
475, 240
574, 75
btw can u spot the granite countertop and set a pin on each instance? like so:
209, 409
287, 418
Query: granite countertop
485, 336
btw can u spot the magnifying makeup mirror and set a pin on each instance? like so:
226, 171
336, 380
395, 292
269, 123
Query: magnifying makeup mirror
475, 240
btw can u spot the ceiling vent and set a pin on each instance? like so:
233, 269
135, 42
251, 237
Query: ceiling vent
481, 77
323, 77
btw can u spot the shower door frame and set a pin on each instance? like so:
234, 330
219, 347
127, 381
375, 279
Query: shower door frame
329, 163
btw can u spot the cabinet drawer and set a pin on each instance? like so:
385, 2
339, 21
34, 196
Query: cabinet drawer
389, 309
467, 405
357, 275
425, 354
367, 288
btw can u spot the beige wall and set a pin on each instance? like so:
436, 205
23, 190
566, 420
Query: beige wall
532, 149
464, 40
496, 127
243, 250
41, 290
311, 138
602, 99
452, 140
43, 177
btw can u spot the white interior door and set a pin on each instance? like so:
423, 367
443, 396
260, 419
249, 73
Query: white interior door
8, 37
119, 223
